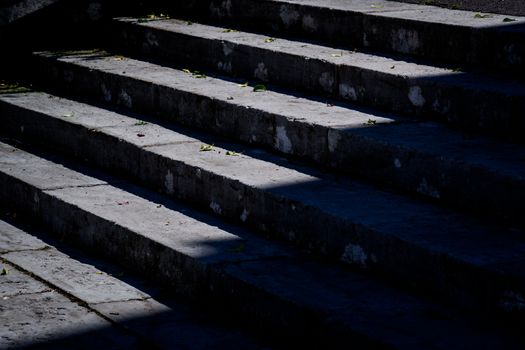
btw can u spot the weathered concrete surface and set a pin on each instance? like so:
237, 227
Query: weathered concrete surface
496, 6
469, 100
35, 312
291, 296
463, 38
327, 216
422, 158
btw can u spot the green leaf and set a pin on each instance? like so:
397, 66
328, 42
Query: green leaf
259, 88
229, 31
4, 272
232, 153
371, 122
243, 85
374, 6
69, 115
480, 15
507, 19
140, 123
269, 40
185, 70
206, 148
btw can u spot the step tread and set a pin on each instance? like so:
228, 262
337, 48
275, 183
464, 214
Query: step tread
347, 294
435, 229
429, 137
92, 283
333, 56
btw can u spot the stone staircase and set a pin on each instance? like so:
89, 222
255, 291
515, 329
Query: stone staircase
323, 173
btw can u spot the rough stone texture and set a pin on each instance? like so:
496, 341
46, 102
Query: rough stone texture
14, 239
332, 217
466, 99
457, 37
293, 290
168, 325
80, 280
48, 319
423, 158
496, 6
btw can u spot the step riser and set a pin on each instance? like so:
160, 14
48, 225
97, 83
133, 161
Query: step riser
272, 214
208, 285
491, 48
450, 182
441, 98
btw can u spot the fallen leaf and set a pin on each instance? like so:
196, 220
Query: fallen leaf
206, 148
229, 31
140, 123
243, 85
4, 272
123, 203
259, 88
141, 135
480, 15
507, 19
232, 153
371, 122
69, 115
269, 40
185, 70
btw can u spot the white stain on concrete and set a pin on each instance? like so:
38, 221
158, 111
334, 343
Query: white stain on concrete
428, 190
355, 255
282, 141
244, 215
151, 39
309, 23
415, 96
334, 137
216, 207
405, 41
512, 301
227, 48
348, 92
288, 15
169, 184
125, 99
261, 72
397, 163
106, 93
326, 80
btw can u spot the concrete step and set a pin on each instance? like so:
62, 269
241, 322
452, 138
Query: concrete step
468, 100
55, 297
471, 264
461, 38
498, 6
420, 158
217, 264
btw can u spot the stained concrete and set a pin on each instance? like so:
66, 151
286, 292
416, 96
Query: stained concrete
256, 289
